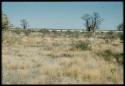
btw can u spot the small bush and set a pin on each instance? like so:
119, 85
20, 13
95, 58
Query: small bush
108, 55
75, 34
119, 57
44, 30
54, 32
66, 55
110, 36
120, 36
17, 31
81, 45
27, 32
88, 34
68, 33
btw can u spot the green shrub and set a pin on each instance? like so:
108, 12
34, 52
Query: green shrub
108, 55
88, 34
119, 57
44, 30
66, 55
82, 45
75, 34
120, 35
17, 31
27, 32
110, 36
69, 33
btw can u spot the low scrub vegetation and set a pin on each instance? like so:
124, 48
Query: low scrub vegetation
120, 36
81, 45
108, 55
27, 32
57, 58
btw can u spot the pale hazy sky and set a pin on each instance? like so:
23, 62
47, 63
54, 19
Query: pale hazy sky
63, 14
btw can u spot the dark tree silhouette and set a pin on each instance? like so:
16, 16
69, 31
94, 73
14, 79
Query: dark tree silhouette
92, 22
24, 23
120, 27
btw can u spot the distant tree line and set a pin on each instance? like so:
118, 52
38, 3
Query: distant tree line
92, 22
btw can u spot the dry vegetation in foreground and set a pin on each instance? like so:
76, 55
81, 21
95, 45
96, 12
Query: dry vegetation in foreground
60, 58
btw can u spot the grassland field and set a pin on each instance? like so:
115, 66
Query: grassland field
43, 57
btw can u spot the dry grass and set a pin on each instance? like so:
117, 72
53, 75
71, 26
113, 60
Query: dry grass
38, 59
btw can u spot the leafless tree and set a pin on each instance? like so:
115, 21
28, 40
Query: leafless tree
92, 22
24, 23
87, 18
120, 27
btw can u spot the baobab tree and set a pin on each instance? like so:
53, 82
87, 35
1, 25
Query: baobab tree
24, 23
92, 22
86, 18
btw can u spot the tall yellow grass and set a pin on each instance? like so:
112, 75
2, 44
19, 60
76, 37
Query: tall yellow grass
37, 59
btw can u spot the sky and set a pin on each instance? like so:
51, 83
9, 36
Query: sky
63, 15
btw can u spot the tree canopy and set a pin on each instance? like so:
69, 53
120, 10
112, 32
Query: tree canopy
5, 21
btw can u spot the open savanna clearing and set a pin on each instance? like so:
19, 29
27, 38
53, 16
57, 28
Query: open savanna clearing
61, 58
